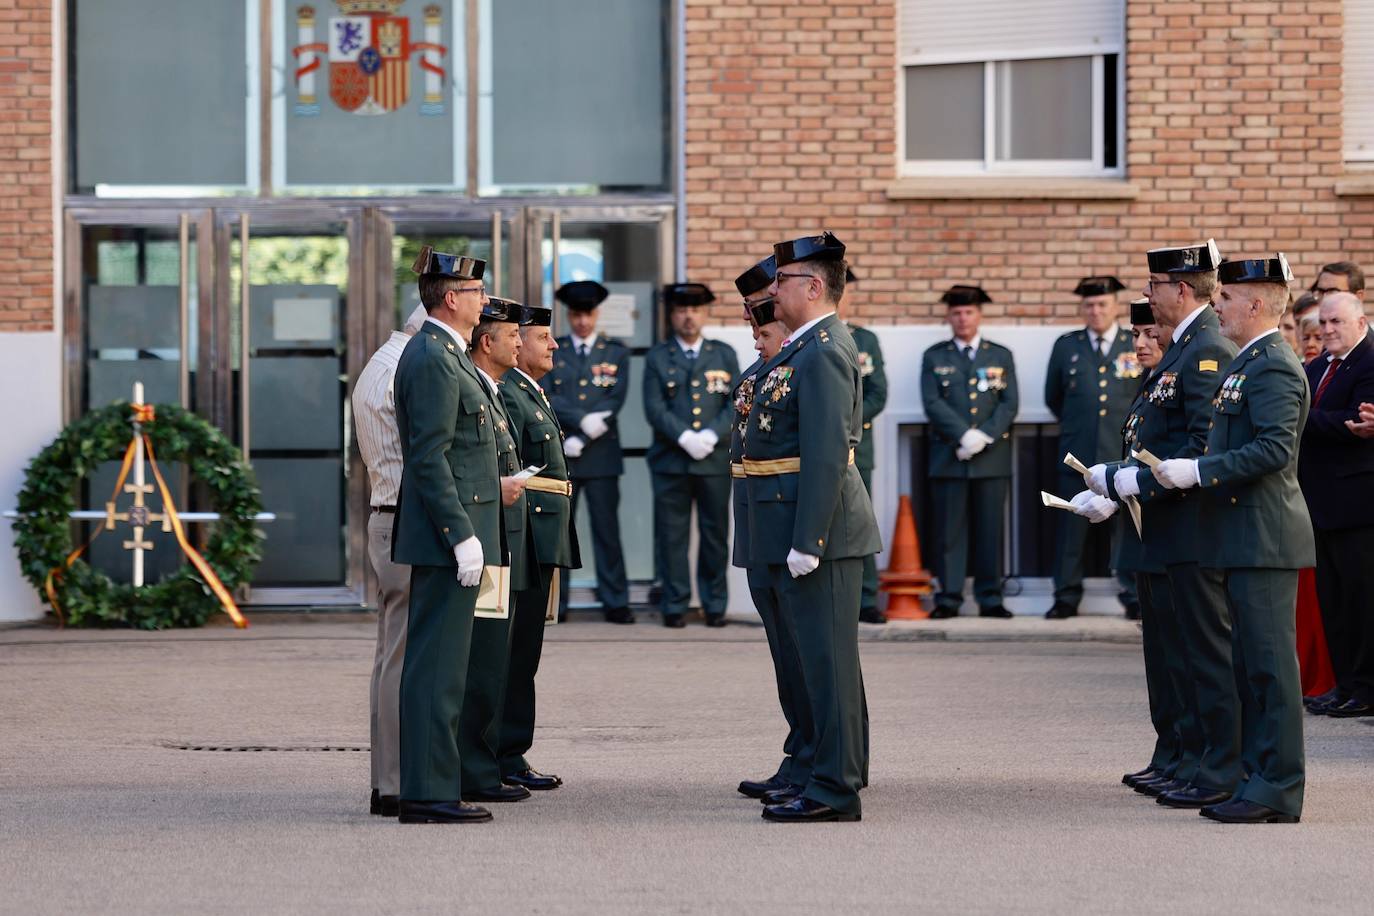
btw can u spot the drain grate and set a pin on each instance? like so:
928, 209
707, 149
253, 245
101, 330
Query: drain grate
273, 748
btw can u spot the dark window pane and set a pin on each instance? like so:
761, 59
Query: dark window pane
944, 112
1045, 109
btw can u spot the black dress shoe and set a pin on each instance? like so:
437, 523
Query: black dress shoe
1192, 797
1323, 701
871, 615
501, 793
782, 796
383, 805
715, 620
620, 615
1149, 772
1061, 611
674, 621
1157, 787
1240, 811
533, 780
1350, 709
756, 788
442, 812
1132, 610
995, 611
943, 613
803, 810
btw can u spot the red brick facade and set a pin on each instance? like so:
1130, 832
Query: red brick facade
26, 176
1233, 123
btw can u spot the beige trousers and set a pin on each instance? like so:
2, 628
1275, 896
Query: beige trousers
393, 613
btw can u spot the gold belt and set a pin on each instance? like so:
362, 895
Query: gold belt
774, 466
549, 485
737, 469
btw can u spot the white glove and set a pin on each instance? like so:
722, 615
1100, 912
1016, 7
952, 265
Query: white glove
573, 446
693, 445
1081, 500
962, 453
1097, 509
974, 441
469, 557
1127, 482
800, 564
710, 438
594, 424
1096, 479
1180, 473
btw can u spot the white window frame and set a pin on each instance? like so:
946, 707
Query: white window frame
990, 165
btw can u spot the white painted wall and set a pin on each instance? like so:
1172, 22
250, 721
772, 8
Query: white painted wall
31, 376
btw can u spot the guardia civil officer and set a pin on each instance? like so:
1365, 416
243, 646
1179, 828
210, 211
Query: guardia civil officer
687, 385
448, 525
792, 773
548, 496
968, 386
495, 349
1258, 531
1175, 425
590, 381
804, 423
1092, 378
875, 399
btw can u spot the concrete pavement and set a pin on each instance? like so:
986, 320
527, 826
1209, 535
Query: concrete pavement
995, 785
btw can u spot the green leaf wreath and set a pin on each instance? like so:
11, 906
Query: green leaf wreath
43, 531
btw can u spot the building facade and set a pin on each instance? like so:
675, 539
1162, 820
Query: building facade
220, 199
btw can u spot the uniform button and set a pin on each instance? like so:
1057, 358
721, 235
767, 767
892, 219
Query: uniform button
696, 411
546, 437
972, 382
868, 426
1101, 368
582, 397
1215, 481
973, 395
1102, 412
1102, 397
973, 410
696, 383
538, 508
581, 381
1102, 383
696, 424
820, 542
1205, 449
696, 395
1211, 423
476, 498
445, 531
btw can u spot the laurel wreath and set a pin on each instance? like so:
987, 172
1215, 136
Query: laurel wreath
43, 531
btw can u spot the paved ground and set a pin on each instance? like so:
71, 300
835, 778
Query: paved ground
995, 786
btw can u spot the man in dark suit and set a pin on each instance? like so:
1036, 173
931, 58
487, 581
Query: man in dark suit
805, 491
874, 374
448, 527
1258, 533
1337, 475
547, 494
591, 379
968, 386
1182, 283
1092, 378
687, 385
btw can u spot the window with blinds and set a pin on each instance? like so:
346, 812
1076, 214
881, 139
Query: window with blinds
1358, 82
1027, 87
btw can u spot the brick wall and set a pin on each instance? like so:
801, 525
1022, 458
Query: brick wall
791, 127
26, 237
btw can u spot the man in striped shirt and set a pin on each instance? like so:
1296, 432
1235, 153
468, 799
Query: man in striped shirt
374, 418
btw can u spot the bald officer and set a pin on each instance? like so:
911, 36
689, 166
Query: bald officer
1092, 378
968, 386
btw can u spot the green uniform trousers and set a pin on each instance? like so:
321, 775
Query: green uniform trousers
433, 680
964, 506
674, 497
526, 647
479, 727
798, 748
869, 599
1205, 627
823, 609
1178, 743
1264, 639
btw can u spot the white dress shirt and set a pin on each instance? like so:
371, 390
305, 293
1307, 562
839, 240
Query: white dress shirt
580, 342
806, 327
1183, 325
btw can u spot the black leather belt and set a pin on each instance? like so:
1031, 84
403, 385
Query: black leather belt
390, 510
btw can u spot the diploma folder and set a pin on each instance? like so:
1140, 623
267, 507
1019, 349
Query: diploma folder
493, 595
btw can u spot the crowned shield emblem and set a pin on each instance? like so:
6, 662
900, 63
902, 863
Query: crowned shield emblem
369, 49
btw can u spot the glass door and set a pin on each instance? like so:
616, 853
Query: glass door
292, 317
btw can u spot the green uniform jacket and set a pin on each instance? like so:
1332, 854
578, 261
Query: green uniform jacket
739, 489
540, 442
1090, 393
682, 394
1130, 554
961, 394
1253, 512
875, 390
1174, 424
450, 482
808, 404
581, 386
522, 573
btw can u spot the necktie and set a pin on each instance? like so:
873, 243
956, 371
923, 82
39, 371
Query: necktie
582, 350
968, 353
1330, 373
691, 356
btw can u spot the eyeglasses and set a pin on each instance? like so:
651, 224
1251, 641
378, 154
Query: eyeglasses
780, 276
1326, 290
472, 289
1151, 284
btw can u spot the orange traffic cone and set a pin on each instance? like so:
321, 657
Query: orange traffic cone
905, 581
